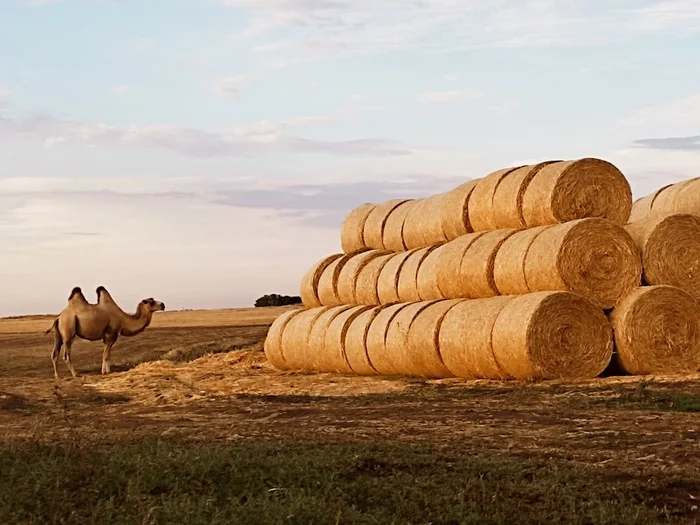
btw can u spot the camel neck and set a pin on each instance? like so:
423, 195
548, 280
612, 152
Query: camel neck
136, 323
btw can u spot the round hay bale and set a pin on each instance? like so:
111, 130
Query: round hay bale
273, 341
328, 283
427, 279
295, 337
657, 331
475, 277
509, 264
376, 222
670, 248
393, 229
449, 264
593, 257
408, 276
309, 283
397, 360
465, 338
388, 282
422, 349
507, 207
334, 359
481, 212
455, 214
356, 341
352, 230
641, 208
688, 198
416, 222
347, 278
377, 353
366, 285
666, 201
552, 335
433, 209
566, 191
315, 353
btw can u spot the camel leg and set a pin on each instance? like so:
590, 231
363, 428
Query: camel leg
57, 344
66, 356
109, 341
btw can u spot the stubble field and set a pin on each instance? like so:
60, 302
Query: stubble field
195, 427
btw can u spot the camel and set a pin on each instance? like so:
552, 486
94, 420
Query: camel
104, 321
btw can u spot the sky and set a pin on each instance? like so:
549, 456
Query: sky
205, 152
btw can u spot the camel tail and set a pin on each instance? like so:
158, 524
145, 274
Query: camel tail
53, 327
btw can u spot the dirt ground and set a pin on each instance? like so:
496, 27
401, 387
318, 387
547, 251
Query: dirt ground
203, 376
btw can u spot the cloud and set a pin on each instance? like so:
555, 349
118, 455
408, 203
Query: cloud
230, 87
670, 143
321, 29
682, 111
448, 96
119, 91
241, 141
450, 77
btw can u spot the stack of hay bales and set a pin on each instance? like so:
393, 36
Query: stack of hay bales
532, 272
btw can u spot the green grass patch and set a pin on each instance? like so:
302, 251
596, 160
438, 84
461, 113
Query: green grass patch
643, 397
160, 482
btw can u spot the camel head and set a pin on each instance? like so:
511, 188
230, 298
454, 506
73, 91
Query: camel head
152, 305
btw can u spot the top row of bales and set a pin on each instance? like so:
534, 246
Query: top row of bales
547, 193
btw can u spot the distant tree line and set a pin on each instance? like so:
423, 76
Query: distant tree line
274, 299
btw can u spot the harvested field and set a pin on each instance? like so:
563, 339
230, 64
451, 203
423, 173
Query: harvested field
194, 402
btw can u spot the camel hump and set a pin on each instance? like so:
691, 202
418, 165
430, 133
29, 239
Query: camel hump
74, 292
101, 289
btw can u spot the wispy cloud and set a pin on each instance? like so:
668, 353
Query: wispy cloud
676, 112
119, 91
448, 96
246, 140
231, 87
671, 143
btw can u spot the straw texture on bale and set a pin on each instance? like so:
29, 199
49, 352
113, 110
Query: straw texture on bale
592, 257
682, 197
397, 358
377, 353
427, 280
670, 248
509, 264
334, 357
349, 273
422, 350
366, 285
309, 283
393, 229
356, 341
295, 337
376, 221
455, 214
657, 331
449, 264
408, 276
423, 225
552, 335
476, 268
388, 283
315, 356
641, 208
566, 191
273, 340
507, 202
465, 339
352, 230
328, 283
481, 211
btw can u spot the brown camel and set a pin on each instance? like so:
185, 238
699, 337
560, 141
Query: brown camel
93, 322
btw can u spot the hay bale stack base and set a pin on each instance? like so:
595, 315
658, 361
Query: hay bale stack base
273, 341
552, 335
657, 331
356, 341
